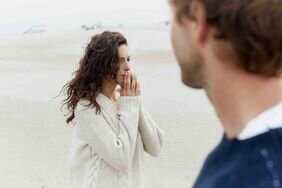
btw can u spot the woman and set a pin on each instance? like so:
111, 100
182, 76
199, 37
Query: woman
111, 128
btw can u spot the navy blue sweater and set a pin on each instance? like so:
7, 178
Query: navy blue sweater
252, 163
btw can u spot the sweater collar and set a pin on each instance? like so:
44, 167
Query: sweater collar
269, 119
106, 104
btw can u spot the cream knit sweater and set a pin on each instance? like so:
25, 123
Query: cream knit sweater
107, 148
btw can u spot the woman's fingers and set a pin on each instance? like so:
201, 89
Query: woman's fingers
131, 86
135, 86
138, 88
133, 83
125, 85
127, 82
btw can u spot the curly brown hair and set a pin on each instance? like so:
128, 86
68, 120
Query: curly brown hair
100, 60
253, 27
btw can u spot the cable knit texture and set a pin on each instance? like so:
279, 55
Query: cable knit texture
107, 148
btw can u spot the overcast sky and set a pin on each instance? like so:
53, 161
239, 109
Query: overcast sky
16, 15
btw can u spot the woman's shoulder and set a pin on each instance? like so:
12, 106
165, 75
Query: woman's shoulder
86, 112
84, 105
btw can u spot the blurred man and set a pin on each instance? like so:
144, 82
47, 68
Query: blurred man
233, 50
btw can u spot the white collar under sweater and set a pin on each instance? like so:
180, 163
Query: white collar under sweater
269, 119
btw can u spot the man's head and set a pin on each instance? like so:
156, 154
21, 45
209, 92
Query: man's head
245, 34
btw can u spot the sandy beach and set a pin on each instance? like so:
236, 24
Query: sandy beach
34, 138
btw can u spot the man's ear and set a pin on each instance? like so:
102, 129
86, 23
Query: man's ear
201, 27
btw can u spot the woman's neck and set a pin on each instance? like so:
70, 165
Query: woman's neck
109, 90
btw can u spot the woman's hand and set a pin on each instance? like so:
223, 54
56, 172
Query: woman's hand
130, 86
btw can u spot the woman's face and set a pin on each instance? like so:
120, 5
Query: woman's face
124, 64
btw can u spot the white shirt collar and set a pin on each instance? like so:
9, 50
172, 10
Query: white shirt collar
269, 119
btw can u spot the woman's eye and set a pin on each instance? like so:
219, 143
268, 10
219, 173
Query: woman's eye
128, 59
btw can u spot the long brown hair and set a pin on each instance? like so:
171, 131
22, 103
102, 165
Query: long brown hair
253, 27
100, 60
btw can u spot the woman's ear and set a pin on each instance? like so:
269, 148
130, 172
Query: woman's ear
108, 77
112, 77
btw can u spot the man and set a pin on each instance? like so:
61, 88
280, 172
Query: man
233, 50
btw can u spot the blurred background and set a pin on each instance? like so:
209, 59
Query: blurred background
18, 16
41, 42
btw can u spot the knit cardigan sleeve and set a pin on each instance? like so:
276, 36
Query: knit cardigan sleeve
152, 135
116, 150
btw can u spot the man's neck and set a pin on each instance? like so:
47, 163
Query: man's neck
240, 97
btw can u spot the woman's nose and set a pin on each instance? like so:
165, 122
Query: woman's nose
126, 66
